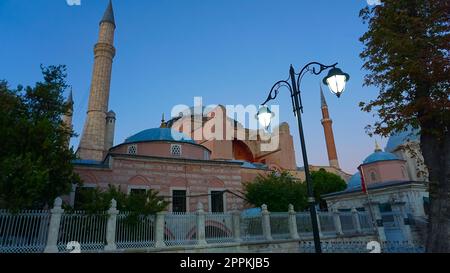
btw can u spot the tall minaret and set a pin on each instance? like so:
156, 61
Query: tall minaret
328, 130
92, 144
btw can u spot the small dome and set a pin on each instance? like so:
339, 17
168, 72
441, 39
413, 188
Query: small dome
354, 182
159, 134
379, 156
111, 114
401, 138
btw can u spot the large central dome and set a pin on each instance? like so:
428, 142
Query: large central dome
159, 134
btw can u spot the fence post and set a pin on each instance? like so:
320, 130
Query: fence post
356, 221
265, 214
292, 222
159, 229
111, 227
236, 219
337, 222
53, 230
200, 224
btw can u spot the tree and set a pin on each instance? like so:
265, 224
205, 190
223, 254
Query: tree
35, 162
325, 182
406, 51
277, 191
94, 200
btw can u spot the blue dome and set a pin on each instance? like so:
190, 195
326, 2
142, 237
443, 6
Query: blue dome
379, 156
159, 134
400, 138
354, 182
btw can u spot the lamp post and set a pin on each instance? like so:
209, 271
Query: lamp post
336, 81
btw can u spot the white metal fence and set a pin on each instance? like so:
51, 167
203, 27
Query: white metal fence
135, 232
23, 232
180, 229
326, 222
89, 230
279, 225
52, 231
251, 228
219, 227
348, 224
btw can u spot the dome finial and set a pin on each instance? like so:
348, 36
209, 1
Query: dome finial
163, 122
377, 147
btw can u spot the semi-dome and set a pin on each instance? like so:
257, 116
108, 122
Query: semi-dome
380, 156
159, 134
354, 182
401, 138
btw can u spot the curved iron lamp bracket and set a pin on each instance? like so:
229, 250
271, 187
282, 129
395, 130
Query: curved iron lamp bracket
275, 90
314, 68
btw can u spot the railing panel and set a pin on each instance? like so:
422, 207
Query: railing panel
218, 227
304, 225
279, 225
89, 230
326, 223
347, 224
23, 232
251, 228
180, 229
135, 233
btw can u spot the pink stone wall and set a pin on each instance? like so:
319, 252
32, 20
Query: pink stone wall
162, 149
385, 171
164, 175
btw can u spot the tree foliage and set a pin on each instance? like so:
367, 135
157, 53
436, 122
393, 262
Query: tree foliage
406, 51
95, 200
277, 190
325, 182
35, 162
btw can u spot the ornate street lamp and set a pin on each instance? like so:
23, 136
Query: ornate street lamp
336, 80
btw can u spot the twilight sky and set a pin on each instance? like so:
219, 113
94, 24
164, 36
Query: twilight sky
226, 51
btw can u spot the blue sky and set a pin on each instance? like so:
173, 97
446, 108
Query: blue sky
227, 51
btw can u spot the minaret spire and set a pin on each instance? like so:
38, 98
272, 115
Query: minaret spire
328, 131
108, 16
96, 136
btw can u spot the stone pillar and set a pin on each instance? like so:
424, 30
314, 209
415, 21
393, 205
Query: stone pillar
159, 229
53, 229
111, 227
403, 220
201, 224
236, 218
356, 222
374, 210
265, 214
337, 223
292, 222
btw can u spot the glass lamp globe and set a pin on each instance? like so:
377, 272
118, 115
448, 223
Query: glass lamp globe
336, 80
265, 116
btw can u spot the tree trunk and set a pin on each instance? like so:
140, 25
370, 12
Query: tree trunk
436, 153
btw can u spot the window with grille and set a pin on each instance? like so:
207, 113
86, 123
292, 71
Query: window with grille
137, 191
217, 201
132, 149
178, 201
175, 149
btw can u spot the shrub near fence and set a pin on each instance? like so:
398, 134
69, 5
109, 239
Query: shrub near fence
135, 233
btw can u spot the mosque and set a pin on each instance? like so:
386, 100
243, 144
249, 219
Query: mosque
207, 170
